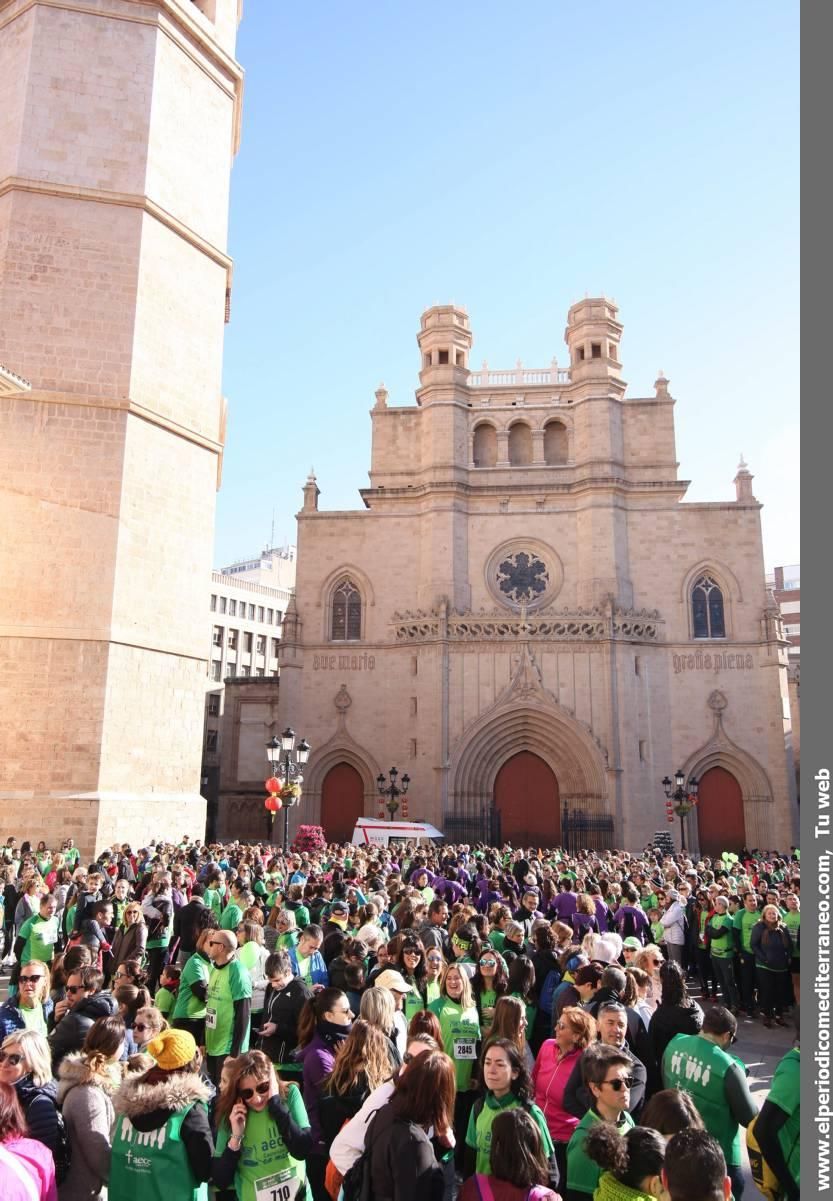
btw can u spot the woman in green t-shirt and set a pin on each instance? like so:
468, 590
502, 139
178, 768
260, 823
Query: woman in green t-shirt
460, 1028
263, 1134
507, 1085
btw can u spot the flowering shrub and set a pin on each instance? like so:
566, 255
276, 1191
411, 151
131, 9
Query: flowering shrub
310, 838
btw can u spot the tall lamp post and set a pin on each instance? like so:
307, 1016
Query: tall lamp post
680, 799
287, 775
393, 792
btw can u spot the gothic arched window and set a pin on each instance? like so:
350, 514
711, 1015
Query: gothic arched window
707, 619
346, 619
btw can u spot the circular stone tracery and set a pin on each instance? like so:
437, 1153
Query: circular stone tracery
525, 573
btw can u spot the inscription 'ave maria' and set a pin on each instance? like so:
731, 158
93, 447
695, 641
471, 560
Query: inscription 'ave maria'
363, 662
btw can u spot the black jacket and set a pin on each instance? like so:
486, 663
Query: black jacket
188, 922
71, 1030
671, 1020
283, 1007
393, 1143
40, 1108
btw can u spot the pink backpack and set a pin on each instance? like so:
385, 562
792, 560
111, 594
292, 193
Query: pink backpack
537, 1193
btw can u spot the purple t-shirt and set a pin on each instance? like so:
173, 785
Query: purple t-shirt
564, 906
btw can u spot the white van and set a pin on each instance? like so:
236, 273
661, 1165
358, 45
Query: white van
369, 832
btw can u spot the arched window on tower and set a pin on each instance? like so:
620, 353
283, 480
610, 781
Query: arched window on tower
346, 619
707, 619
555, 443
520, 444
484, 450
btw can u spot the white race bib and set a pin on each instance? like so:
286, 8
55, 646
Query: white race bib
465, 1048
278, 1187
211, 1019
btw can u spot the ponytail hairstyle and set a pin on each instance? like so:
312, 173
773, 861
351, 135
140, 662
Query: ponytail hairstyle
104, 1042
630, 1158
133, 999
313, 1011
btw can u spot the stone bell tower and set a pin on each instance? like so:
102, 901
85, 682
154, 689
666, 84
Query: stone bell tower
119, 121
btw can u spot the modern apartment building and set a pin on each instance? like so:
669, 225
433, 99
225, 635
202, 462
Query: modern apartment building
245, 614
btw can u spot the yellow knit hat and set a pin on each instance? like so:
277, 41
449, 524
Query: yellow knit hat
172, 1049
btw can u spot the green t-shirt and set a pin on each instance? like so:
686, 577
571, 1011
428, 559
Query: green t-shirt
41, 934
657, 932
213, 898
497, 938
71, 857
33, 1019
479, 1133
461, 1031
231, 916
226, 985
698, 1067
196, 968
583, 1173
265, 1168
744, 921
724, 946
164, 1000
792, 920
785, 1094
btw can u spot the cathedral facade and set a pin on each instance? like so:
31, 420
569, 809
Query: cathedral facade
529, 620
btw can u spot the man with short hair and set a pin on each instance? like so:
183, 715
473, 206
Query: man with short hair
228, 1003
434, 933
702, 1065
694, 1168
744, 920
612, 1023
38, 935
85, 1002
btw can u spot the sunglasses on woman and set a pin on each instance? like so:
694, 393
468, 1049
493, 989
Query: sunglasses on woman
72, 989
30, 979
13, 1058
488, 963
261, 1089
618, 1084
140, 1026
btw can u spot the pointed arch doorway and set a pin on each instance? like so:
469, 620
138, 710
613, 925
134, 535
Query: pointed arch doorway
720, 821
527, 800
342, 802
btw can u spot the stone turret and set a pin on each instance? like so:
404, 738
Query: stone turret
444, 341
592, 336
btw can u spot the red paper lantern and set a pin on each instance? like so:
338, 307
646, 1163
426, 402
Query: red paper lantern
272, 784
267, 804
278, 803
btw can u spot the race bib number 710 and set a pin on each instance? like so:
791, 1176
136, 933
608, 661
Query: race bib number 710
278, 1187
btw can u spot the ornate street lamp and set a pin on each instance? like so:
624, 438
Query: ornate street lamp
284, 786
393, 792
680, 799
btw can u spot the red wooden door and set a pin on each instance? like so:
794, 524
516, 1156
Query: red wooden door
342, 801
526, 796
720, 813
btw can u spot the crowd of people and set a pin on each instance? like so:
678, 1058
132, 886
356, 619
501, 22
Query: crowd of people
403, 1023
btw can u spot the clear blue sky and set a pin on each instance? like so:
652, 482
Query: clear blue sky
511, 160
